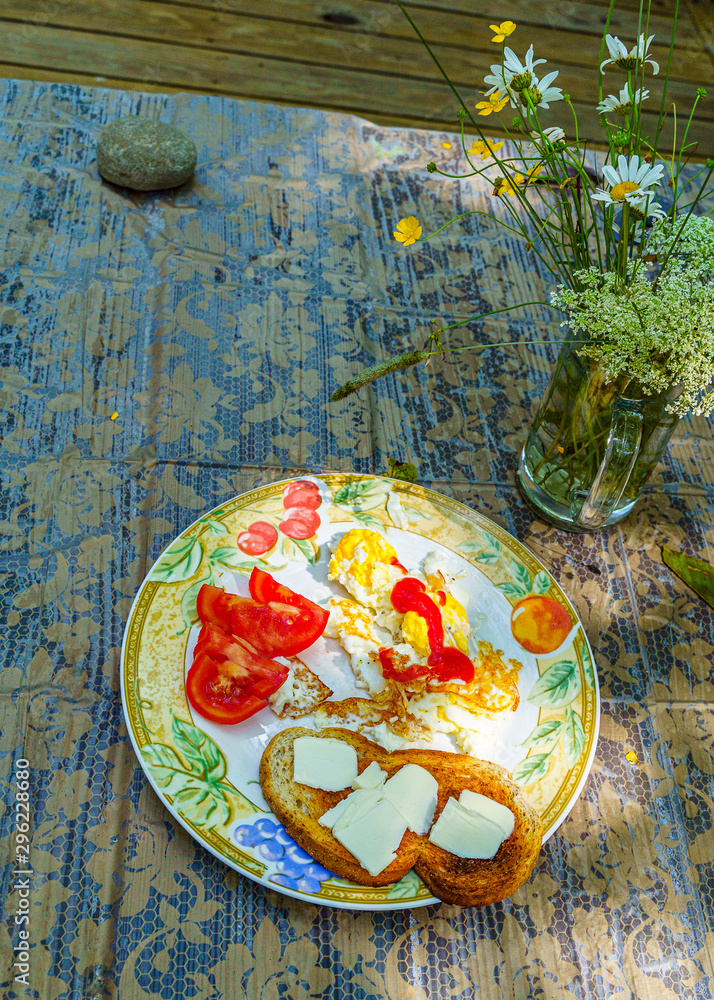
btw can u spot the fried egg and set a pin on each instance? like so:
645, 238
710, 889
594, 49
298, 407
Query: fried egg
367, 565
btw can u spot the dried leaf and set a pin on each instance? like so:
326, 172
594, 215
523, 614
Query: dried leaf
696, 573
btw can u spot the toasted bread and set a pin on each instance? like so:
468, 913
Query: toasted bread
463, 881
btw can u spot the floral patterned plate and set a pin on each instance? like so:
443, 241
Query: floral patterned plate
207, 774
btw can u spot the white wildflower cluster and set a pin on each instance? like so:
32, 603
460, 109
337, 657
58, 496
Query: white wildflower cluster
659, 332
685, 245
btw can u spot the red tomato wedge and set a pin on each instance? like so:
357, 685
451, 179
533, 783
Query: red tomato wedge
217, 696
237, 659
273, 628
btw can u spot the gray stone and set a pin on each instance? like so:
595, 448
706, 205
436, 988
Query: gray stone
145, 155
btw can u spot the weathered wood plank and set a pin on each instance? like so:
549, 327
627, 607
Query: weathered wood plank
137, 19
160, 64
440, 16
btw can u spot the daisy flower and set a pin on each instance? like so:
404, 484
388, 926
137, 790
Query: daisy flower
646, 207
408, 230
620, 57
628, 181
483, 149
540, 93
512, 75
494, 103
502, 30
550, 135
622, 105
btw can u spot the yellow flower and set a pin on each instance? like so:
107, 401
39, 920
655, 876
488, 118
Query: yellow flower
446, 145
508, 185
503, 30
494, 103
534, 171
408, 231
482, 149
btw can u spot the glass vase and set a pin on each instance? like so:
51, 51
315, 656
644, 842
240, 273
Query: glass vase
594, 443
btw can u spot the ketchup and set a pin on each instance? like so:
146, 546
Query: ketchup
446, 662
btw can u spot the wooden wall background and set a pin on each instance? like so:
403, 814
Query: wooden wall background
359, 56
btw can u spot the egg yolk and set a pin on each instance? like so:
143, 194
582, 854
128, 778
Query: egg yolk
361, 548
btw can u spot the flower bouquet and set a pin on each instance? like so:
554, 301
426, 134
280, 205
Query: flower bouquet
631, 262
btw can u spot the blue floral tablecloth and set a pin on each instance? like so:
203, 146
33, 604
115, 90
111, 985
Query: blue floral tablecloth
163, 352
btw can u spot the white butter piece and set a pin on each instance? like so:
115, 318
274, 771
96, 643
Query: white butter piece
324, 763
372, 834
372, 777
489, 809
466, 834
413, 792
351, 808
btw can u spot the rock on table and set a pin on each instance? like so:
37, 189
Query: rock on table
145, 155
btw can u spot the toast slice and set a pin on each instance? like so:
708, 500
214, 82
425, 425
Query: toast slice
462, 881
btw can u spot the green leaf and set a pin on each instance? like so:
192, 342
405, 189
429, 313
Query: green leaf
488, 557
370, 521
532, 769
546, 734
541, 583
216, 527
402, 470
363, 495
202, 754
296, 548
231, 557
406, 887
573, 737
492, 541
179, 562
521, 576
165, 766
202, 804
696, 573
558, 686
512, 590
469, 547
416, 514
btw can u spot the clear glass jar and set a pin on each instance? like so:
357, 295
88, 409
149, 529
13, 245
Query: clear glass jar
594, 443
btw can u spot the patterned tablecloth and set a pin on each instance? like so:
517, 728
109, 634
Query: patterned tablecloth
216, 321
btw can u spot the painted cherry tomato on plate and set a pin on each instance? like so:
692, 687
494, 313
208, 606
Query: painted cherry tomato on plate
302, 494
258, 538
300, 523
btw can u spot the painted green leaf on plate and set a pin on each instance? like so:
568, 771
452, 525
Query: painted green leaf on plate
365, 495
231, 557
532, 769
198, 749
369, 521
541, 583
573, 737
179, 562
512, 590
406, 887
558, 686
546, 734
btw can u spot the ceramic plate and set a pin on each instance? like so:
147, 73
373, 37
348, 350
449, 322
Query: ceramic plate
207, 774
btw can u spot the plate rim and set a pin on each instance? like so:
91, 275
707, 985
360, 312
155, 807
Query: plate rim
285, 890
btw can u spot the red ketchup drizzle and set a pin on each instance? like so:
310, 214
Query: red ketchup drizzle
446, 662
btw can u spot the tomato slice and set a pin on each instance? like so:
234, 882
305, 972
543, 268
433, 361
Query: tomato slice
273, 628
265, 588
238, 660
217, 696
